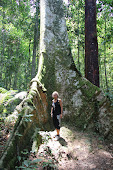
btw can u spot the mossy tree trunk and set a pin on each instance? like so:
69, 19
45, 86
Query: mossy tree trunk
32, 114
84, 103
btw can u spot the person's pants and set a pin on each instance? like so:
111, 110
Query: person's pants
56, 121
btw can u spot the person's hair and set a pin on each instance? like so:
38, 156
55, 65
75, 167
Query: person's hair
55, 92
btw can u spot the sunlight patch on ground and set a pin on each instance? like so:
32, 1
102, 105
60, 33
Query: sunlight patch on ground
75, 149
69, 145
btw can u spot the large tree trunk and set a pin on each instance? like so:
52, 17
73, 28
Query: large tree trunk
56, 65
83, 103
91, 45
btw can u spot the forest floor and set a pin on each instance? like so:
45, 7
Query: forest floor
75, 150
5, 130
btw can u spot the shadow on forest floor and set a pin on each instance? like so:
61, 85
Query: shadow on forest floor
62, 141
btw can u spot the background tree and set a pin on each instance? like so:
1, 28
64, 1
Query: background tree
18, 26
103, 6
91, 45
35, 43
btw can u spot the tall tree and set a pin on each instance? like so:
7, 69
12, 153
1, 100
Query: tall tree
105, 54
35, 45
78, 40
91, 45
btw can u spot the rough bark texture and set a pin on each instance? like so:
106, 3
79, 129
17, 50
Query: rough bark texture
35, 45
91, 45
84, 103
31, 114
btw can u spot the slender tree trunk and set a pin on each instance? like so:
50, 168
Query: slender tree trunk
3, 35
26, 78
28, 67
29, 63
33, 71
78, 41
106, 80
6, 82
3, 44
16, 70
83, 52
100, 69
10, 77
15, 81
91, 45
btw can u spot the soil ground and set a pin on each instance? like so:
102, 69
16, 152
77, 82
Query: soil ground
76, 150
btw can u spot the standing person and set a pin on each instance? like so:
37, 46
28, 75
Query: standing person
56, 112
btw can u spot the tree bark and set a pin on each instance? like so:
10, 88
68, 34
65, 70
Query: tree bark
91, 45
33, 71
78, 40
106, 80
33, 107
3, 44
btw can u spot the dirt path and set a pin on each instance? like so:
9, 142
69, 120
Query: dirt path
76, 150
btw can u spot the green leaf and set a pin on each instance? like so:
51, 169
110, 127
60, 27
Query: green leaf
36, 160
26, 163
19, 158
18, 134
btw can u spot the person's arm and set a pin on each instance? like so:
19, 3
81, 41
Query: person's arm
61, 107
51, 111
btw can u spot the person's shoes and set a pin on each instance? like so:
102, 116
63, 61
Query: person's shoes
57, 137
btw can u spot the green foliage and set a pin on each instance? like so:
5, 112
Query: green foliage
7, 101
108, 2
109, 94
17, 23
75, 21
49, 164
105, 27
35, 163
28, 164
2, 90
